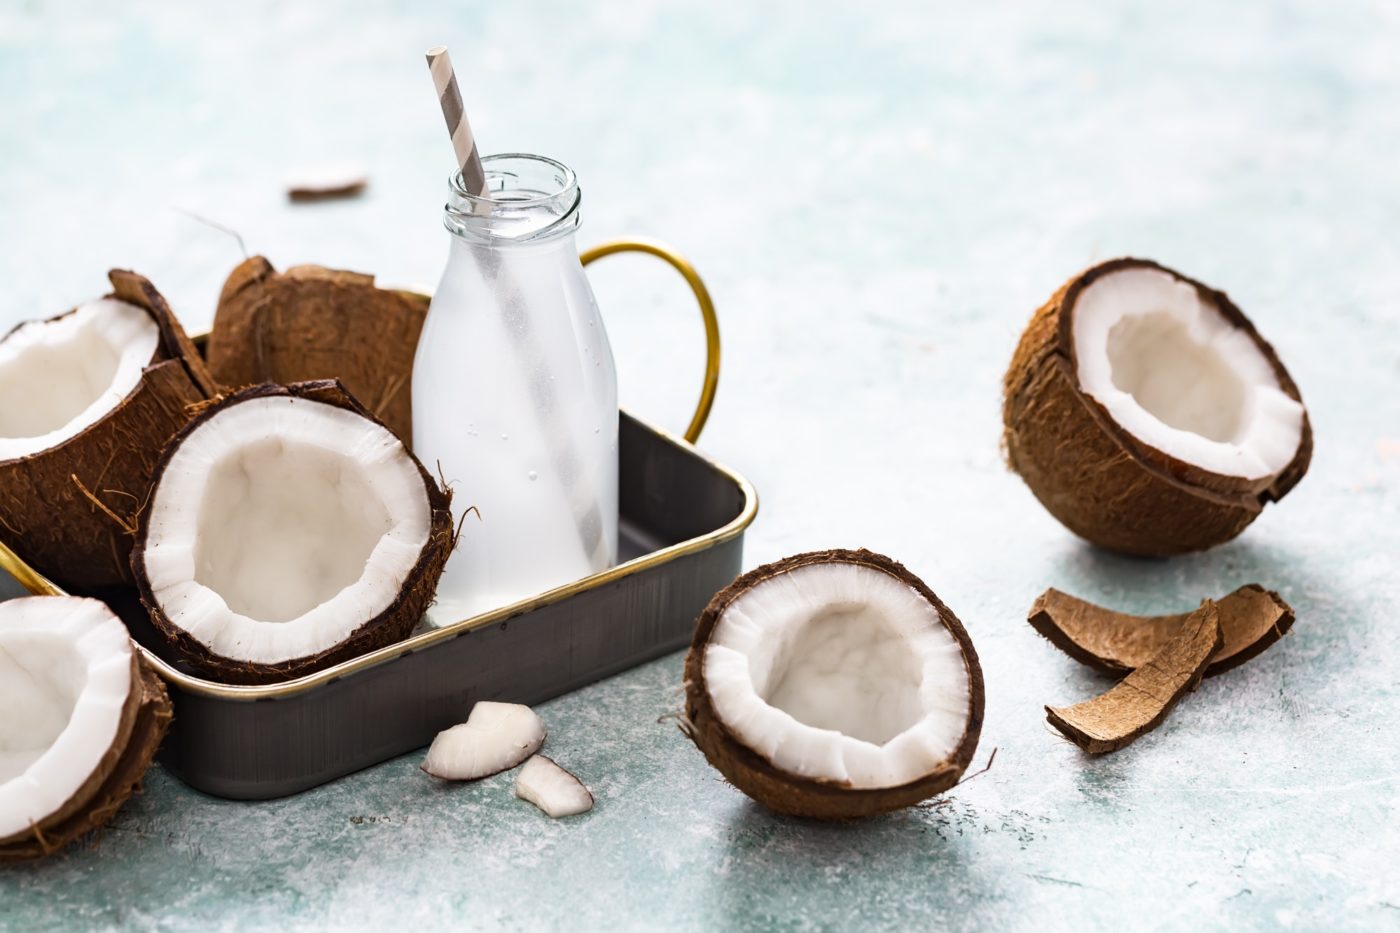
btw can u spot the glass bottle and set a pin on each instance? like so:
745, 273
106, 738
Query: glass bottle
515, 392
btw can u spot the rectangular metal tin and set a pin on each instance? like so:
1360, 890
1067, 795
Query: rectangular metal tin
683, 518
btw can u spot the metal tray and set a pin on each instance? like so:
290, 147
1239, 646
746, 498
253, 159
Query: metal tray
682, 522
683, 518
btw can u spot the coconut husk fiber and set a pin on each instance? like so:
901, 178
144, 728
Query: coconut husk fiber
395, 623
1141, 701
1098, 479
792, 794
1251, 619
70, 511
310, 323
145, 720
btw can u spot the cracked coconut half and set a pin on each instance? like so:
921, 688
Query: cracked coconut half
87, 401
83, 716
288, 531
834, 685
1146, 413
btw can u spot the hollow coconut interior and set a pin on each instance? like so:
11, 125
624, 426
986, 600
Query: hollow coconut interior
840, 673
58, 377
281, 525
1174, 372
65, 678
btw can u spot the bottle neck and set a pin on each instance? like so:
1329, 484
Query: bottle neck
529, 201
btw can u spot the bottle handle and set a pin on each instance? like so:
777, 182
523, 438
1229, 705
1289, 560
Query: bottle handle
707, 312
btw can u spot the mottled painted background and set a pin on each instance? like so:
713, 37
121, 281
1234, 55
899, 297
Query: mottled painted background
879, 196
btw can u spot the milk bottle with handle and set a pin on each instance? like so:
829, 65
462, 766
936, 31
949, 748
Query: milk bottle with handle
515, 393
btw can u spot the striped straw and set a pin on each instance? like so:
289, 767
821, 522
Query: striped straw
445, 80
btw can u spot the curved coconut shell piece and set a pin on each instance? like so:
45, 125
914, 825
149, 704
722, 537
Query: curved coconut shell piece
791, 794
1141, 701
1098, 479
391, 625
1251, 619
144, 724
70, 511
316, 323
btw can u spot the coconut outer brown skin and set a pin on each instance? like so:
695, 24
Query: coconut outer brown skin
792, 794
1142, 700
316, 323
1251, 619
391, 625
46, 517
1099, 480
144, 722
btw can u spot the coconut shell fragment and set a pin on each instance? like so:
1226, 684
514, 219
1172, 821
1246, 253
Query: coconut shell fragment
70, 511
1141, 701
310, 323
1251, 619
1100, 479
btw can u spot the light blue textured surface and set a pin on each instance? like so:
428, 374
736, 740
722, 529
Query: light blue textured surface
879, 198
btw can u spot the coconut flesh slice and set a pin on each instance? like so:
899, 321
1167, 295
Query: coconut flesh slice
288, 531
496, 737
83, 717
1147, 414
552, 788
87, 401
834, 684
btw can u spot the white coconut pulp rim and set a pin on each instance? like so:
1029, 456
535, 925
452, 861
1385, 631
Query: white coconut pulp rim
65, 676
839, 672
1174, 372
61, 376
281, 525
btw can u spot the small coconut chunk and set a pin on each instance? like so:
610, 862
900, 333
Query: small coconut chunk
326, 183
496, 737
551, 788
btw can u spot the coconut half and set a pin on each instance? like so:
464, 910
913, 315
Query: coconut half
834, 685
288, 530
83, 718
1147, 414
87, 401
316, 323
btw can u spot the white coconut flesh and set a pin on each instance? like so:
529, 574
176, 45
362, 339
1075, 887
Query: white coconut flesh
60, 376
841, 673
1178, 375
552, 788
281, 525
65, 678
496, 737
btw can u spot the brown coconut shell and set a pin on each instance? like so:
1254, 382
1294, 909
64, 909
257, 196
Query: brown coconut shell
1141, 701
792, 794
393, 624
145, 719
69, 511
1098, 479
1251, 619
316, 323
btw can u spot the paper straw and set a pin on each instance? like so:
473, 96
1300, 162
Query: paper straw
460, 129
